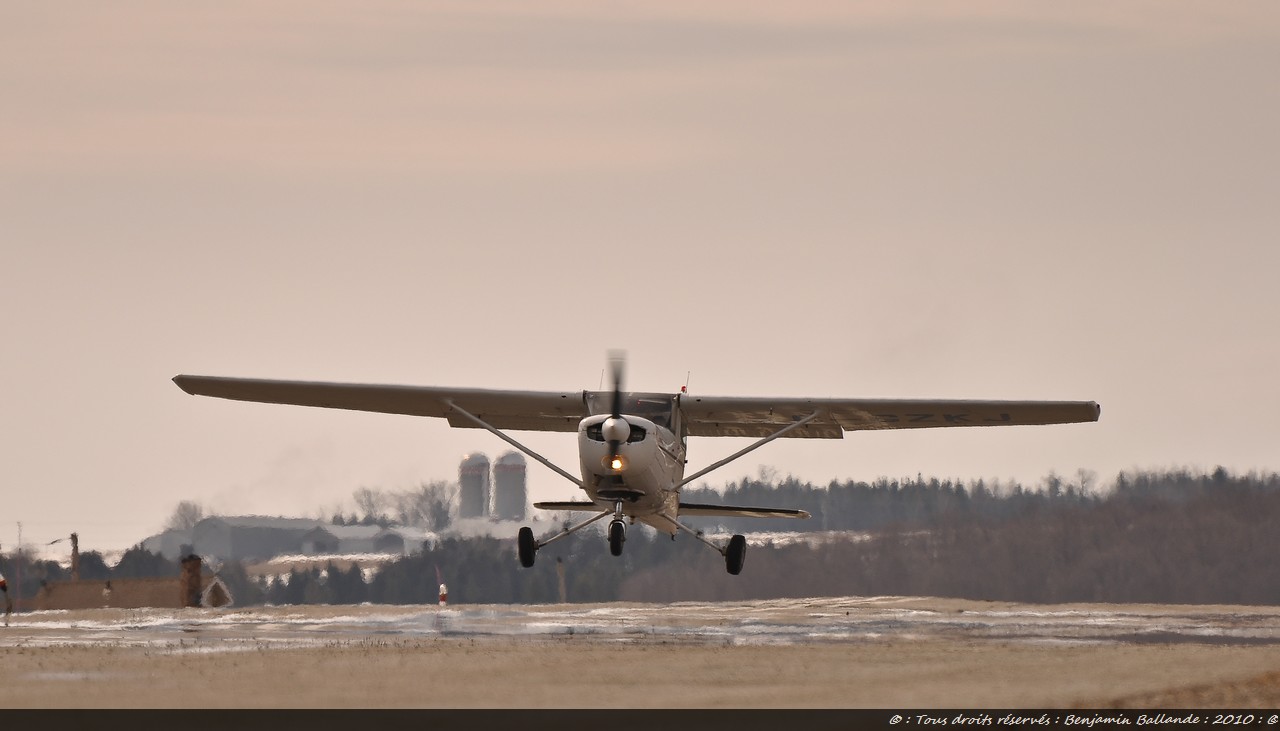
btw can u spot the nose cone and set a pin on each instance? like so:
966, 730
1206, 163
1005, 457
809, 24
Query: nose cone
615, 430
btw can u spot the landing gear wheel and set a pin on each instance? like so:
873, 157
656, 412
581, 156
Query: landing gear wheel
617, 536
526, 547
735, 555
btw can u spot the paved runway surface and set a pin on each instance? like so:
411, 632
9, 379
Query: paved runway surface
768, 622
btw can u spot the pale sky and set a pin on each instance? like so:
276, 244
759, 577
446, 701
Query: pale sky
936, 200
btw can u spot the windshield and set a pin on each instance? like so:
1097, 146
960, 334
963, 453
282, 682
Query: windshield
655, 407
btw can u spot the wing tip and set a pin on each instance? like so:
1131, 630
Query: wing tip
184, 382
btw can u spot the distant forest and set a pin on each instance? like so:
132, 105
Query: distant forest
1169, 537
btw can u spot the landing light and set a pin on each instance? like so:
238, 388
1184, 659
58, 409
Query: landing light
615, 463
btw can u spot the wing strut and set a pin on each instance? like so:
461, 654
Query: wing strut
698, 534
480, 422
575, 528
754, 446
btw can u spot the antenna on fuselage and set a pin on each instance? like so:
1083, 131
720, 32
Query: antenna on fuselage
685, 387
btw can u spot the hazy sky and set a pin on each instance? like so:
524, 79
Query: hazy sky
946, 200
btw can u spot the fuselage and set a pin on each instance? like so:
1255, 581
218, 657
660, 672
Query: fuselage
652, 459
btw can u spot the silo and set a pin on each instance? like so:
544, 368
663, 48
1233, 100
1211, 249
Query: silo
473, 486
509, 487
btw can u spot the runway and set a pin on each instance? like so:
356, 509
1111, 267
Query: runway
768, 622
848, 651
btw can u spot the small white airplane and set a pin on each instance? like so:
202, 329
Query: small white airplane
631, 446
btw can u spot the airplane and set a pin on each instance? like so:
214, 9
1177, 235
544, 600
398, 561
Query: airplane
632, 446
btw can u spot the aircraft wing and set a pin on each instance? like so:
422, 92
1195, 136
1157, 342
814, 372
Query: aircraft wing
716, 416
703, 415
516, 410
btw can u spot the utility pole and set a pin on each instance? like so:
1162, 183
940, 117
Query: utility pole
560, 576
8, 600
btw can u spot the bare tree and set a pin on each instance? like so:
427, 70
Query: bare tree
185, 516
436, 500
1088, 478
369, 502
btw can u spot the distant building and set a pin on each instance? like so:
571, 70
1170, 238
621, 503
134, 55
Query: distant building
404, 540
162, 592
351, 539
473, 486
340, 539
509, 491
250, 537
255, 538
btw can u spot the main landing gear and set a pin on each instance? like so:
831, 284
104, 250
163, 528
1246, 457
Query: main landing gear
527, 547
735, 552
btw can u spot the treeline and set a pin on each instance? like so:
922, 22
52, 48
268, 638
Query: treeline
429, 506
1172, 537
26, 575
476, 570
1169, 537
885, 503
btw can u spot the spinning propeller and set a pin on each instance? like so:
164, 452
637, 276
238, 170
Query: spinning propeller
615, 429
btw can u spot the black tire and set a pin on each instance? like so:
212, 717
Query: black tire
617, 536
735, 555
526, 547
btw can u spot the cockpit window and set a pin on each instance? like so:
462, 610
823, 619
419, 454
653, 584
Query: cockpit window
654, 407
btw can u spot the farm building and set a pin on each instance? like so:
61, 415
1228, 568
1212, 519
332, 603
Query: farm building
194, 587
251, 536
348, 539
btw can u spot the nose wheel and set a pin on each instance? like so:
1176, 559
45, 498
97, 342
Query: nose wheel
527, 546
617, 536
